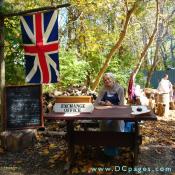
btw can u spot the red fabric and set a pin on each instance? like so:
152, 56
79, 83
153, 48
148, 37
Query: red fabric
131, 88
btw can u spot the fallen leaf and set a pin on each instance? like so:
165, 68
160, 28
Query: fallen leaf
55, 157
75, 170
1, 150
51, 161
52, 165
18, 162
172, 138
45, 152
52, 146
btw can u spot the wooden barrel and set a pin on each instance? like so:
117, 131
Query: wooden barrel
148, 92
160, 98
156, 96
159, 109
172, 105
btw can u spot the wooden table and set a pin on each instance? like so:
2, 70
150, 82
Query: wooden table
104, 138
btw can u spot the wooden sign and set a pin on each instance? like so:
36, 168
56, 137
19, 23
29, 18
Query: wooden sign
23, 107
73, 107
73, 104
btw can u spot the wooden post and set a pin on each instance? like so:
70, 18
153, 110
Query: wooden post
2, 66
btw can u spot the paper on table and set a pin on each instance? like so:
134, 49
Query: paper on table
102, 107
144, 110
68, 114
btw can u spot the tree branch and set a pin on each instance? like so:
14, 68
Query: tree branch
8, 15
143, 53
115, 47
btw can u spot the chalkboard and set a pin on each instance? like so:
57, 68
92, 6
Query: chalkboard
23, 107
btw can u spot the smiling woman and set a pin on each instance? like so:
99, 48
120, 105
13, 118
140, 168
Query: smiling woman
111, 94
108, 80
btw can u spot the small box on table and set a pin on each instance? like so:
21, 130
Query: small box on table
73, 104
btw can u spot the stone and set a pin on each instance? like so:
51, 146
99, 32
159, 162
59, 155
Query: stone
16, 141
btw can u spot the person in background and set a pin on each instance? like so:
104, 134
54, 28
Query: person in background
140, 96
165, 89
111, 94
131, 89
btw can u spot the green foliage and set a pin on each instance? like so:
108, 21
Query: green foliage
122, 65
91, 29
14, 60
49, 87
141, 79
72, 70
14, 73
7, 7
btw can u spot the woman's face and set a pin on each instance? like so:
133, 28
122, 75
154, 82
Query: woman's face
108, 81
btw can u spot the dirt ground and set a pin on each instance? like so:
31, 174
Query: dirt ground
49, 154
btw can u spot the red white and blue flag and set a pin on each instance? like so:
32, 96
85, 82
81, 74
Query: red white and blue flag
40, 42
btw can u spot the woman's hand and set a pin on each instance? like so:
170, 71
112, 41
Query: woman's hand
105, 103
102, 103
108, 103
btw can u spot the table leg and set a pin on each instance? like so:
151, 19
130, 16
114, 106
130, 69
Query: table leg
70, 132
136, 143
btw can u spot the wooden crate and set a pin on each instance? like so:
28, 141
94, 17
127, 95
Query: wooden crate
73, 99
73, 104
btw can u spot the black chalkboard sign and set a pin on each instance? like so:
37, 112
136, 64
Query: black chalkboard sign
23, 107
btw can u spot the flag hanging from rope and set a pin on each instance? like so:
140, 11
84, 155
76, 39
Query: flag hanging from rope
40, 42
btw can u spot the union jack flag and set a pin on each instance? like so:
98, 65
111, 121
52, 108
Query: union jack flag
40, 42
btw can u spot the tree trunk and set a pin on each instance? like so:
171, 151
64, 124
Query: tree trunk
151, 39
114, 48
2, 66
172, 47
162, 30
150, 73
164, 56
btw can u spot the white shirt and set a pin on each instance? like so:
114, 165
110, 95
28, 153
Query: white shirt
138, 91
164, 86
